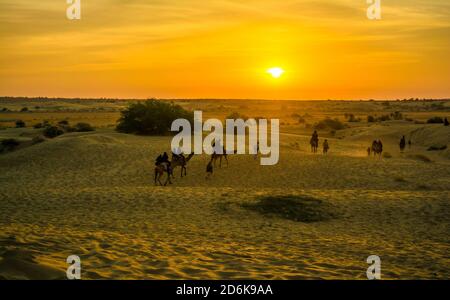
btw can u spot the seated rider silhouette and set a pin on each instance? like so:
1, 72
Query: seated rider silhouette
163, 159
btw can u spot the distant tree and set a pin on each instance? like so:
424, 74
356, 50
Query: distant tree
151, 117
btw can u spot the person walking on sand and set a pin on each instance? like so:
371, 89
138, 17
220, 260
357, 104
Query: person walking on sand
209, 169
446, 123
402, 143
256, 151
409, 143
326, 146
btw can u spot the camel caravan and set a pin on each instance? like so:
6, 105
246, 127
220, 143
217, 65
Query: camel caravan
165, 166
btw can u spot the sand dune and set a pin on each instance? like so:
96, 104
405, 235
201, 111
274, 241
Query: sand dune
92, 194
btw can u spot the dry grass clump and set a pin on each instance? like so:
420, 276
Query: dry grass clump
295, 208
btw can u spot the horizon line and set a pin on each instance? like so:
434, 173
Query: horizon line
220, 99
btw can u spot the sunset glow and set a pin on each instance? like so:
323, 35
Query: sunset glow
221, 49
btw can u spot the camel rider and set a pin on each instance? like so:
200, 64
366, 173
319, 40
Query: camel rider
158, 160
177, 153
315, 136
163, 159
380, 145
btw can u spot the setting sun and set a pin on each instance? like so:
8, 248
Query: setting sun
275, 72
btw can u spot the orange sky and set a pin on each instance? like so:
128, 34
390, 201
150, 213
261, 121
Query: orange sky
222, 49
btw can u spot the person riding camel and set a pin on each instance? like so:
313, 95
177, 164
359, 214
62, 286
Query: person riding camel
158, 160
380, 146
315, 136
177, 154
164, 158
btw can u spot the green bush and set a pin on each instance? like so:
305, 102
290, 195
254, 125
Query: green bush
52, 131
20, 124
151, 117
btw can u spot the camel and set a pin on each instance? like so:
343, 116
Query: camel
180, 161
159, 172
216, 156
377, 148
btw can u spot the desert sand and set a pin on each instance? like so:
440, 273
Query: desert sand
92, 195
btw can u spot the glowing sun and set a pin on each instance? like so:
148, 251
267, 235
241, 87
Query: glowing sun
276, 72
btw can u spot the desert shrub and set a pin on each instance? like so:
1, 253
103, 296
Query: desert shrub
20, 124
435, 120
24, 109
384, 118
421, 157
83, 127
151, 117
38, 125
437, 148
301, 120
37, 140
371, 119
400, 179
236, 115
351, 118
387, 155
63, 122
4, 109
52, 131
8, 145
397, 115
328, 123
295, 208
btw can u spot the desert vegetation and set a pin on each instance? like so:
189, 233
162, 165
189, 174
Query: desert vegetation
151, 117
